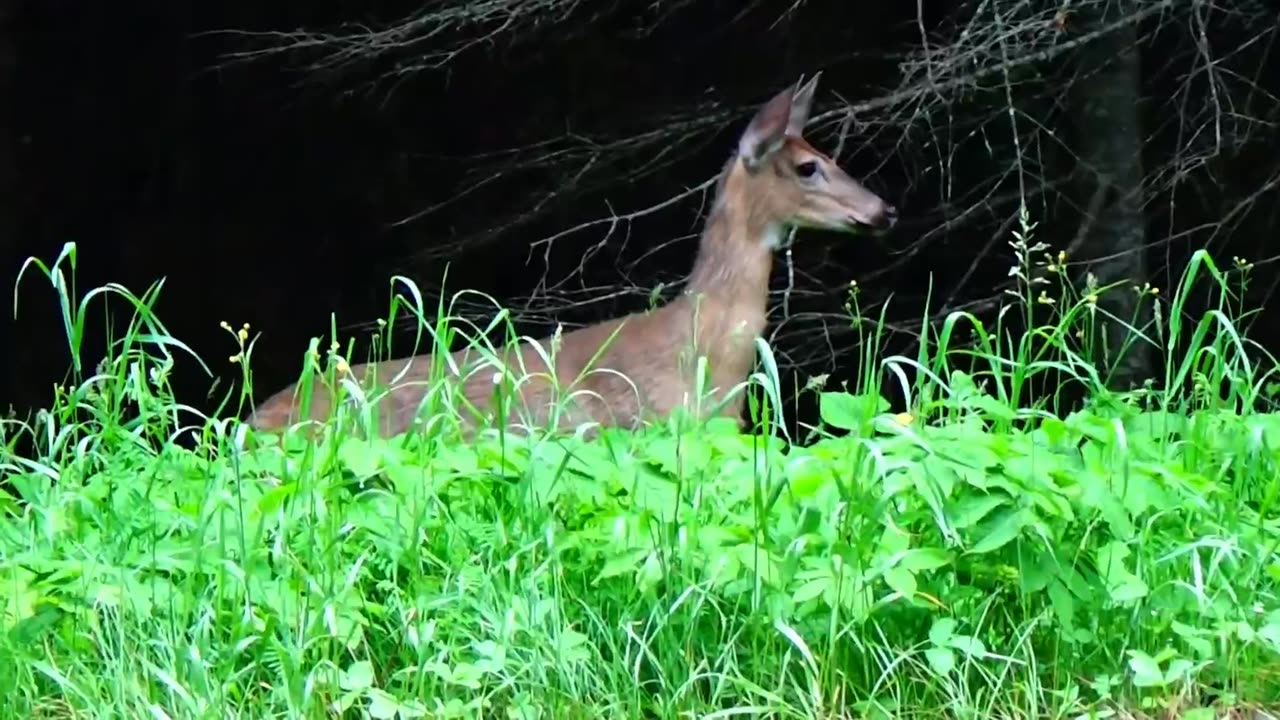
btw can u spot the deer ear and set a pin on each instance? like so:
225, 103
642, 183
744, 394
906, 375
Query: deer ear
767, 131
801, 100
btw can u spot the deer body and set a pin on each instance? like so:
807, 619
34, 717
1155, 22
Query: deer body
643, 366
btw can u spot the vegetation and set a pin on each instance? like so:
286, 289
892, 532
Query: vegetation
985, 551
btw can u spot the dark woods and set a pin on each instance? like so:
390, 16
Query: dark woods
277, 163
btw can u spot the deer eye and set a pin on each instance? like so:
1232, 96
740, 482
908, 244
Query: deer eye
807, 169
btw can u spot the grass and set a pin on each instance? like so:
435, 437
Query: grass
976, 555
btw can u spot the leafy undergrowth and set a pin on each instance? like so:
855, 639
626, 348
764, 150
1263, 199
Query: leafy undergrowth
968, 559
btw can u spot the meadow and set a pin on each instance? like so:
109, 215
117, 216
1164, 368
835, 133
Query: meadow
986, 550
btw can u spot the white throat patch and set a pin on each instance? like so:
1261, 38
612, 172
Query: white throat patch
773, 237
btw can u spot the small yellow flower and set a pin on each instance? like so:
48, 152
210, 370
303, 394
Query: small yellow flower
235, 359
343, 367
243, 334
1044, 299
224, 325
904, 418
1091, 298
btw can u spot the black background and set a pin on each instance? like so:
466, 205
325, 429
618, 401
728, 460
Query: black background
275, 193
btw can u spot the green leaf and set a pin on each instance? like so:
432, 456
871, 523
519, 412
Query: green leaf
942, 660
902, 580
971, 509
623, 564
807, 474
969, 645
1146, 671
359, 676
923, 559
680, 456
651, 572
1055, 431
1002, 530
1122, 585
992, 407
941, 631
811, 590
1064, 607
382, 706
849, 412
362, 458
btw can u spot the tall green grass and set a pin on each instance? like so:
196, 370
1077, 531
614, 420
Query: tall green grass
981, 551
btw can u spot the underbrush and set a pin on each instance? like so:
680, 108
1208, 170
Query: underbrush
974, 554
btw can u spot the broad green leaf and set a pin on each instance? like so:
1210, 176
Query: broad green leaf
572, 646
942, 660
1196, 639
971, 509
1064, 607
902, 580
849, 412
969, 645
382, 706
1037, 567
992, 407
807, 474
942, 472
622, 564
941, 631
962, 384
1055, 431
680, 456
1132, 589
811, 590
1146, 671
1000, 531
1122, 585
359, 676
759, 561
364, 459
467, 675
923, 559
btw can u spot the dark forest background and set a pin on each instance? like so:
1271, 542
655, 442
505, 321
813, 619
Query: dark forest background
277, 162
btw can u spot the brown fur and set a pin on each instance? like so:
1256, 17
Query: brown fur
719, 314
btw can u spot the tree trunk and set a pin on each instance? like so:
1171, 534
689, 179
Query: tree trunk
1104, 100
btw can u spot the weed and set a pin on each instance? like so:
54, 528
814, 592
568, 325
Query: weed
971, 554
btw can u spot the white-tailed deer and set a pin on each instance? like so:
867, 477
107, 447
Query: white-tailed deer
642, 366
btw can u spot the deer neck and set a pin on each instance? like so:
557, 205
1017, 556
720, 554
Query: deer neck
735, 253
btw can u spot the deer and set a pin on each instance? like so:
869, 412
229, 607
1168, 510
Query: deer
643, 366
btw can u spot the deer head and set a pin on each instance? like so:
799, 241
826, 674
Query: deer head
792, 184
